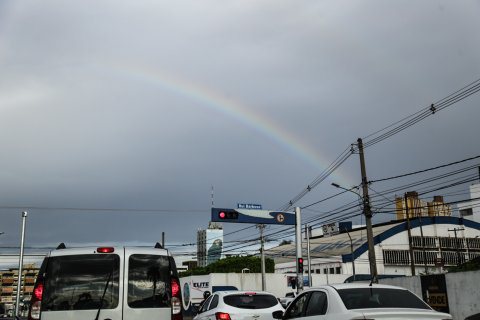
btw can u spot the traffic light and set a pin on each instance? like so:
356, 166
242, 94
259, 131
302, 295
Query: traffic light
300, 265
226, 214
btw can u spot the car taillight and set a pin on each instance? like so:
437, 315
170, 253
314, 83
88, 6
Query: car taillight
105, 250
36, 302
222, 316
176, 300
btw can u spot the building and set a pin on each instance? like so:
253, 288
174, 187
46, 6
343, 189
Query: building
9, 282
210, 244
413, 206
471, 209
437, 242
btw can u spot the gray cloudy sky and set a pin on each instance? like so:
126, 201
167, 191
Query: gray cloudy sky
147, 104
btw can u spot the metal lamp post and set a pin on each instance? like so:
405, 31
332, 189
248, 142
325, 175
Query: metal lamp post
20, 265
351, 252
368, 219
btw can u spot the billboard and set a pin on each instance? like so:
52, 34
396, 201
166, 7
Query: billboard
214, 245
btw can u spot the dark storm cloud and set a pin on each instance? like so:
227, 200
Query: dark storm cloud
96, 113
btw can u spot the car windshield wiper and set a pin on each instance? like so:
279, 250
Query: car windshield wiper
104, 292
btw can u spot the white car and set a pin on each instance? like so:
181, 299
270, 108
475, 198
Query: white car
359, 301
239, 305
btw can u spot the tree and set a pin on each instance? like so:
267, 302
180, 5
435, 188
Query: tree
233, 264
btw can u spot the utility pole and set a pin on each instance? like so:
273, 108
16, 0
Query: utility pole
409, 232
368, 215
459, 260
423, 244
262, 254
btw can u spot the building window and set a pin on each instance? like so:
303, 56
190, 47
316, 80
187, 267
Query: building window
466, 212
338, 270
317, 271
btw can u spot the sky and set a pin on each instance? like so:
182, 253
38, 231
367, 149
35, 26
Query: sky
118, 117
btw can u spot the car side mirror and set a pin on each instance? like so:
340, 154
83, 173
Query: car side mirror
277, 314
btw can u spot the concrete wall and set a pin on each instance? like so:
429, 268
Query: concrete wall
276, 283
463, 290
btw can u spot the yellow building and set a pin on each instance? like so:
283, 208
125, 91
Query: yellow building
417, 207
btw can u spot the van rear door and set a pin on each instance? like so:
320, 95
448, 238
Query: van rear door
147, 281
77, 286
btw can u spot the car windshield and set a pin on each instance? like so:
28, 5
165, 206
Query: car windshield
79, 282
363, 298
251, 301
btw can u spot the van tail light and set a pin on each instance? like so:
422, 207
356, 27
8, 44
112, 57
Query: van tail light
176, 299
222, 316
36, 301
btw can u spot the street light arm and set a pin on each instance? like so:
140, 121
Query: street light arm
336, 185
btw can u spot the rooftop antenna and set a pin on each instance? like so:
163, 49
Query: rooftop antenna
213, 202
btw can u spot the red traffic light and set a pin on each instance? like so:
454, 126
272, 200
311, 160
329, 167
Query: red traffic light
300, 265
227, 215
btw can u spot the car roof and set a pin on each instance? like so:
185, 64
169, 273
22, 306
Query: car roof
340, 286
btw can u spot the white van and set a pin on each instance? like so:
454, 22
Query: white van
107, 283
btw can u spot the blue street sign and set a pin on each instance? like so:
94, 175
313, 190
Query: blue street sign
253, 216
249, 206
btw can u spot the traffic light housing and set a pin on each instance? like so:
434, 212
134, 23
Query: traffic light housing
300, 265
226, 214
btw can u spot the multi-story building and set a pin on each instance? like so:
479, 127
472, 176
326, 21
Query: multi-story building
436, 242
210, 244
471, 209
427, 242
413, 206
9, 283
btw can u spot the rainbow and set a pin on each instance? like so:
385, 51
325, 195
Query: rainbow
214, 100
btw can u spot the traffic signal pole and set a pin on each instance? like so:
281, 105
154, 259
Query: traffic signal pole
298, 243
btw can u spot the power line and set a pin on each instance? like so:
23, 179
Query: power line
130, 210
425, 170
397, 127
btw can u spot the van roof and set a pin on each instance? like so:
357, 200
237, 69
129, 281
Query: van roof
116, 249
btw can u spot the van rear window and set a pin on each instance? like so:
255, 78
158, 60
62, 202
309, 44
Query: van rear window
79, 282
149, 281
